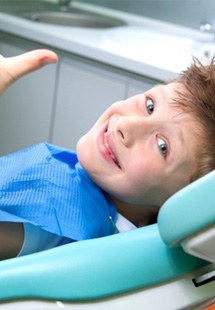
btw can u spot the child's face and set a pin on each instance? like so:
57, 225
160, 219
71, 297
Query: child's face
141, 150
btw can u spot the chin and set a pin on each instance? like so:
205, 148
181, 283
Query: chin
84, 152
80, 149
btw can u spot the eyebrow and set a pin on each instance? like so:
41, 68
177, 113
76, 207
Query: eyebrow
179, 134
178, 142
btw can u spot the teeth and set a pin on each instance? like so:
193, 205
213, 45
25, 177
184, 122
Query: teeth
107, 145
109, 150
105, 141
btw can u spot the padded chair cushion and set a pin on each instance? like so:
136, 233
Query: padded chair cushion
95, 268
188, 211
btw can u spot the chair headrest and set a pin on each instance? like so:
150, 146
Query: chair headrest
190, 210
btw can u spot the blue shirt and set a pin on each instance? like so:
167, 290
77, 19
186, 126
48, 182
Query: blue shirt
46, 186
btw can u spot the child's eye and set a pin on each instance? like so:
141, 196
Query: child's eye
162, 146
150, 106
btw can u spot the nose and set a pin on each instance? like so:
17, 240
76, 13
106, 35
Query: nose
132, 129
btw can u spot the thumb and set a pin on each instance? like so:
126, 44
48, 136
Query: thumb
15, 67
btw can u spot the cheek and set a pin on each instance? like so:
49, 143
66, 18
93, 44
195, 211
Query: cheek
142, 169
137, 180
143, 177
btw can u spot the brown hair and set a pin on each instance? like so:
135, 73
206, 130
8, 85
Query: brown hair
198, 81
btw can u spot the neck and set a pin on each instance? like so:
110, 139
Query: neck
139, 215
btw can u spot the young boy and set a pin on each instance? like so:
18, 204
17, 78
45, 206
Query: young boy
139, 153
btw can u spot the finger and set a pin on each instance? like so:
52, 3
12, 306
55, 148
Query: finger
14, 67
20, 65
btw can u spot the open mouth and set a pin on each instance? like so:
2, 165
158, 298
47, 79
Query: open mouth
109, 149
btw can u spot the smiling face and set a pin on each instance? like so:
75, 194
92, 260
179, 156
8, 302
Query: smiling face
141, 150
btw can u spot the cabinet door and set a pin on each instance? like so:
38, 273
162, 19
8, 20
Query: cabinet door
26, 108
84, 92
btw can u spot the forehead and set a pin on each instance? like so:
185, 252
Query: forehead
169, 97
167, 92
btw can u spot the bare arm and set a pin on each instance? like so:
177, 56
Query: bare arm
11, 239
11, 69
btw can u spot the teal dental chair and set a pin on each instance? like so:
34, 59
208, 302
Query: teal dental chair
169, 265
